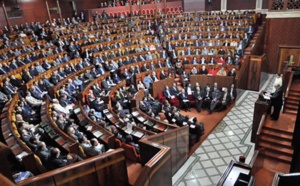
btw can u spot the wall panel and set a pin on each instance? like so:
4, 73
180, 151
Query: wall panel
193, 5
241, 4
265, 4
214, 5
283, 31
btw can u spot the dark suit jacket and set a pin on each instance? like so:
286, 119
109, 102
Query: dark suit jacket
276, 98
227, 99
59, 162
162, 76
105, 85
166, 93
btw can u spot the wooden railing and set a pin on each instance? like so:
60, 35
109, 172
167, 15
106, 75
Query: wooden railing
261, 123
287, 83
260, 108
178, 140
106, 169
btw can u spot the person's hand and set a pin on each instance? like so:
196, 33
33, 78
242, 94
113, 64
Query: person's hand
69, 157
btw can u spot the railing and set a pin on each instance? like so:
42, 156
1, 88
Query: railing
260, 126
106, 169
287, 83
261, 123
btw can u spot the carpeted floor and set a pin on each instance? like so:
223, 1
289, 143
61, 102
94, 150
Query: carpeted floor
210, 122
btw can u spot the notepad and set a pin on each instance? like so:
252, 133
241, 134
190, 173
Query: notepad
76, 111
22, 154
140, 118
109, 116
89, 128
97, 133
138, 134
135, 113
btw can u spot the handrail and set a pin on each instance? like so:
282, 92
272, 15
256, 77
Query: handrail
289, 85
262, 120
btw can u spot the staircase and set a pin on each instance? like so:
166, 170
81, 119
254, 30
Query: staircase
277, 144
292, 101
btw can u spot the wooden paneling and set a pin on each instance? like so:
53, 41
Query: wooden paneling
285, 52
106, 169
223, 81
32, 11
214, 5
254, 72
265, 4
159, 86
283, 31
241, 5
177, 139
193, 5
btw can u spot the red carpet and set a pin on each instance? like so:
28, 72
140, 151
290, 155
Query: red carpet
210, 122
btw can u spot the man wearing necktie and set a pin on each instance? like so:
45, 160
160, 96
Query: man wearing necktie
167, 92
185, 101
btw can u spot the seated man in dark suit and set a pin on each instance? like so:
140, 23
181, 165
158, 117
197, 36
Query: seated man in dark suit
162, 75
43, 152
56, 160
225, 100
216, 100
105, 85
198, 95
233, 93
167, 93
184, 100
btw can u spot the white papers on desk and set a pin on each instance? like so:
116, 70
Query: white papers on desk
172, 97
97, 133
185, 100
138, 134
135, 113
141, 119
184, 123
192, 126
109, 116
173, 120
129, 126
105, 111
267, 96
22, 154
89, 127
76, 111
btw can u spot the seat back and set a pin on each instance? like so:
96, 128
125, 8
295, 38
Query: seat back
130, 152
118, 143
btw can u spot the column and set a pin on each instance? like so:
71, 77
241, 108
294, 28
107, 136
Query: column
59, 10
48, 11
258, 4
6, 17
223, 5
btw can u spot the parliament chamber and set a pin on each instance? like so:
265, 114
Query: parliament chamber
146, 92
